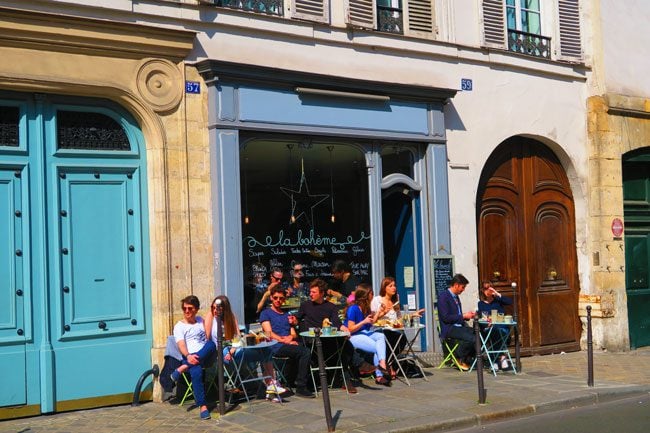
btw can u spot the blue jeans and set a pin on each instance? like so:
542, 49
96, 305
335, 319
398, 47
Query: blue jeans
206, 357
372, 342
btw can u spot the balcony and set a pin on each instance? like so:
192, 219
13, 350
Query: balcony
529, 44
389, 20
268, 7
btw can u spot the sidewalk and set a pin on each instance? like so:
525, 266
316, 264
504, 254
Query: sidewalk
448, 400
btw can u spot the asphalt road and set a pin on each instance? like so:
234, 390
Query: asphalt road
630, 415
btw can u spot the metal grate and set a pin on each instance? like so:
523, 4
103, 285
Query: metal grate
9, 117
94, 131
268, 7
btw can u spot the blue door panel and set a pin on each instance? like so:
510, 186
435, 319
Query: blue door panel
99, 269
107, 367
12, 293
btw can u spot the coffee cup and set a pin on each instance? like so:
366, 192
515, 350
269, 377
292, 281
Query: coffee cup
327, 330
508, 319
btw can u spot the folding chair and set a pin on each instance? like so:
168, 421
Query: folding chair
449, 346
279, 365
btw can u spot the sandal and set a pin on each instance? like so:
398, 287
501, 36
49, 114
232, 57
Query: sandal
393, 374
384, 371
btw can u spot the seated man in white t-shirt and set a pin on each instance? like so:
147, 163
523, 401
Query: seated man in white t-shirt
197, 350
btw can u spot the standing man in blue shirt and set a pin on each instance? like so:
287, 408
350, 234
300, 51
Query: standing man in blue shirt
453, 321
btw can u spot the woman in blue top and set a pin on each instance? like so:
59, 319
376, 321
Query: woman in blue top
359, 320
490, 300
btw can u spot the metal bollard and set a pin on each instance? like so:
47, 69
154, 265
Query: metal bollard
590, 350
516, 320
323, 381
220, 378
482, 392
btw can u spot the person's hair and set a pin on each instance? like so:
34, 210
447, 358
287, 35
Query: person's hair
341, 266
192, 300
320, 283
481, 292
229, 321
382, 289
362, 297
274, 270
278, 289
459, 279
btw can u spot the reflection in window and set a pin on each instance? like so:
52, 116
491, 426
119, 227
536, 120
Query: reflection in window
390, 16
524, 15
396, 159
95, 131
304, 201
9, 117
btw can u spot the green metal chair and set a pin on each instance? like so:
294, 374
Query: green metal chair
449, 346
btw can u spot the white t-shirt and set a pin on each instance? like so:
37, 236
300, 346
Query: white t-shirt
376, 303
192, 334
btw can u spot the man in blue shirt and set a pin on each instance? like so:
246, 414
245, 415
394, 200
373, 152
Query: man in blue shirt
453, 321
278, 325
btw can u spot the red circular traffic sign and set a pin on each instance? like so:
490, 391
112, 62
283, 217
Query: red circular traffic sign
617, 227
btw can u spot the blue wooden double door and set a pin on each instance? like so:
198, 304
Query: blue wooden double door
74, 290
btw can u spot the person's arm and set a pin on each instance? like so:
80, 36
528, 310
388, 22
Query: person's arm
262, 303
268, 331
208, 322
356, 320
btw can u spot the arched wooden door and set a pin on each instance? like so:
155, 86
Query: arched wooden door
526, 227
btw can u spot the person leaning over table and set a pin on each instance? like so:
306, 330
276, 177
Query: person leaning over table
230, 335
311, 315
453, 321
490, 300
278, 325
343, 279
198, 351
359, 320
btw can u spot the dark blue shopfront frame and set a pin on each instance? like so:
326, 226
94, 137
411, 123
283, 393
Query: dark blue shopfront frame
251, 98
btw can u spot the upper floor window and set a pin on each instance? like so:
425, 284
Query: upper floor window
519, 23
389, 16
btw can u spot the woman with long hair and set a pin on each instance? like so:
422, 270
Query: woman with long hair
231, 335
359, 320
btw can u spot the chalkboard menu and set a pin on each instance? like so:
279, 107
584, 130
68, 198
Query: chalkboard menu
443, 272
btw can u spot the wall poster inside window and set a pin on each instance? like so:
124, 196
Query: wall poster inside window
303, 201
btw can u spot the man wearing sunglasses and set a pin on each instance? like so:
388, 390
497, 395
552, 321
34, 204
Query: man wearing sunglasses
275, 276
297, 287
279, 326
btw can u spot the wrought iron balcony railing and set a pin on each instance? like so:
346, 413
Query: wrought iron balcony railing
268, 7
389, 20
529, 44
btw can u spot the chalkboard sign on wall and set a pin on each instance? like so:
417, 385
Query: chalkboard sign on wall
443, 272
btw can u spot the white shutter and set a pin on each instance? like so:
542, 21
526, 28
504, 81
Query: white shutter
361, 13
419, 18
569, 19
494, 23
311, 10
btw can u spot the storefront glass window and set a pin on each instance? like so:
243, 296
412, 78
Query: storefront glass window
396, 159
306, 201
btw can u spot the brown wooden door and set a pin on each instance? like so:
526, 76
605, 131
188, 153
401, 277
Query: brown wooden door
526, 235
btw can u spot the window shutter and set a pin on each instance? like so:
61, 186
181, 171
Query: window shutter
420, 20
569, 18
311, 10
494, 27
361, 13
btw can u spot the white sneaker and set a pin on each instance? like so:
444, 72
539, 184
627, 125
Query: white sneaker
273, 398
495, 366
504, 364
275, 388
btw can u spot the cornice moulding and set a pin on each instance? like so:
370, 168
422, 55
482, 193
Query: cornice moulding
84, 35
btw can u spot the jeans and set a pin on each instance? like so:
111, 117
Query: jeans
302, 356
206, 357
373, 342
466, 345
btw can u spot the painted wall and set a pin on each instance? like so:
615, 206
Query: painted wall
625, 46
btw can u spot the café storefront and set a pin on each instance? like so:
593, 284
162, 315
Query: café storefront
312, 169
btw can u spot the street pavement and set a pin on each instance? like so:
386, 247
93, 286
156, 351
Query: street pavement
448, 400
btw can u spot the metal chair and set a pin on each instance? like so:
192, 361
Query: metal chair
449, 346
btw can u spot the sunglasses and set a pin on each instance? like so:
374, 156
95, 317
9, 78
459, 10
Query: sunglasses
278, 298
188, 308
277, 278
